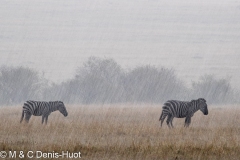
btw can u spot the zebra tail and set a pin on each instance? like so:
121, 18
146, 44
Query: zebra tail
22, 116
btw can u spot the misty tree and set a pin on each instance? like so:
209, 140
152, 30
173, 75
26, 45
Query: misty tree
98, 81
150, 84
54, 92
18, 84
102, 80
215, 90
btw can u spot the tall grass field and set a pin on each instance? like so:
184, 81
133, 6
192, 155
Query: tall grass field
123, 131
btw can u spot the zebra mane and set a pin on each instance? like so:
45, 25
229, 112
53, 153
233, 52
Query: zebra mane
192, 101
199, 99
55, 102
202, 99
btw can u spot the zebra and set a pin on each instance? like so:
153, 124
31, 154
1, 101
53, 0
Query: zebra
40, 108
181, 109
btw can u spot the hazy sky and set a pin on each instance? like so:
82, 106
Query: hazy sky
57, 36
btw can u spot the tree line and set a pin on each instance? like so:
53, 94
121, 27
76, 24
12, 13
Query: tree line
103, 80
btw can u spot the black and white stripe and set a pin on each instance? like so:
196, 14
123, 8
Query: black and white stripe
181, 109
44, 109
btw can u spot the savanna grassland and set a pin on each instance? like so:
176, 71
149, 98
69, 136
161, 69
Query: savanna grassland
124, 132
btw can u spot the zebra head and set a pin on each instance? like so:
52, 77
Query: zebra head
62, 108
203, 106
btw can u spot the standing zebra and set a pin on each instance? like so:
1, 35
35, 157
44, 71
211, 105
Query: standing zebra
43, 109
180, 109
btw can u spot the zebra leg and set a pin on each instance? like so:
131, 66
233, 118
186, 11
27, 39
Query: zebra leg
169, 120
46, 119
43, 117
22, 117
27, 117
185, 124
162, 119
187, 121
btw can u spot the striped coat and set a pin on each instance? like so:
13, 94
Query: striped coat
44, 109
182, 109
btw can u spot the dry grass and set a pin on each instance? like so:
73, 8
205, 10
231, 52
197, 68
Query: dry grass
125, 132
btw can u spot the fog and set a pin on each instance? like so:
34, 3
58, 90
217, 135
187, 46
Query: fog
55, 38
102, 80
